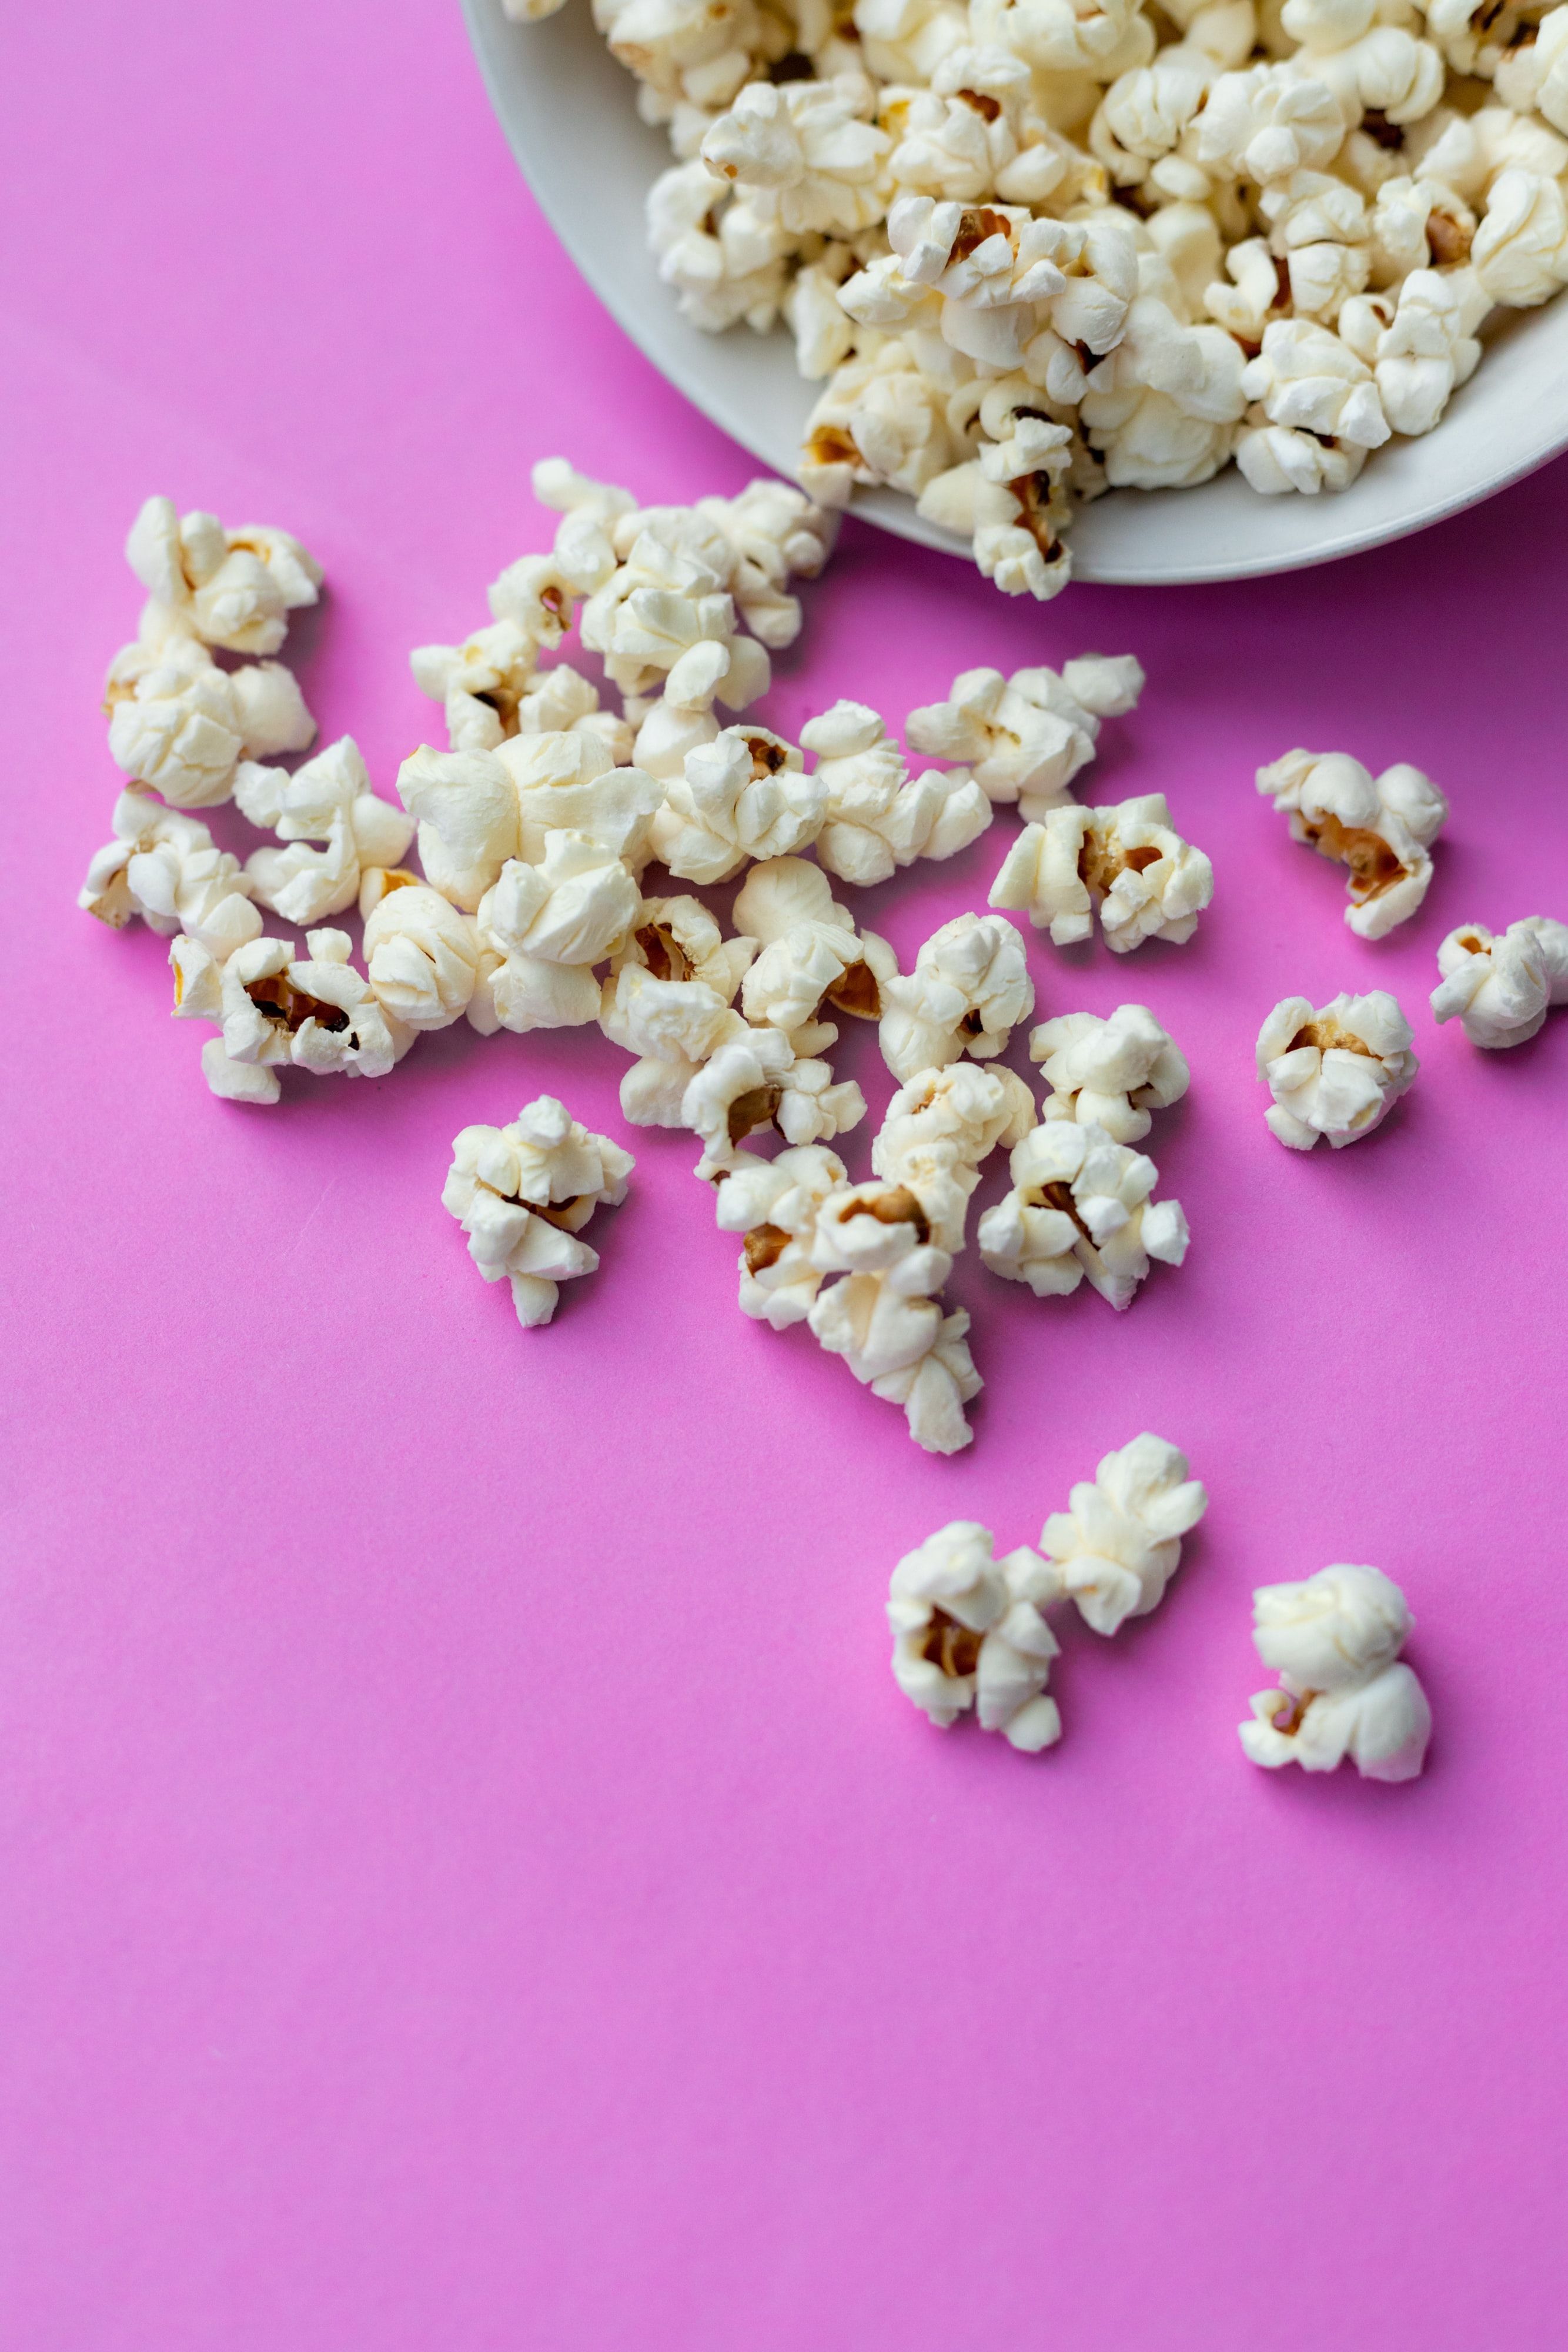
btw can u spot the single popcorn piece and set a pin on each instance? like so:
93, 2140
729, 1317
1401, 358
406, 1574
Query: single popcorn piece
229, 588
894, 1245
774, 1204
523, 1194
945, 1123
876, 816
1334, 1642
476, 809
969, 1634
314, 1012
1080, 1204
668, 1000
1337, 1071
327, 800
542, 929
162, 865
1501, 988
422, 954
1118, 1544
968, 990
755, 1080
1381, 827
814, 962
1147, 881
180, 723
744, 795
1026, 737
1112, 1073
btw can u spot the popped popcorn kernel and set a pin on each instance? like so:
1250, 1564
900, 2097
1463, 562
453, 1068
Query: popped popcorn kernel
523, 1194
1128, 861
1381, 827
1080, 1204
1111, 1073
969, 1634
1502, 987
1336, 1070
1118, 1544
968, 990
1334, 1641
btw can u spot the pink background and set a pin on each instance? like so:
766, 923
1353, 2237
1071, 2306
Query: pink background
469, 1879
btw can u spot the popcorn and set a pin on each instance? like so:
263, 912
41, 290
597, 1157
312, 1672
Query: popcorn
1380, 829
1337, 1071
812, 961
1118, 1544
1307, 379
523, 1194
315, 1014
1534, 73
667, 1001
1080, 1205
804, 153
1149, 882
1501, 988
180, 723
946, 1122
774, 1203
423, 958
755, 1080
969, 1633
476, 809
1267, 121
228, 588
969, 987
744, 796
1026, 737
1417, 346
1521, 252
1163, 406
884, 1318
879, 419
1334, 1642
327, 800
877, 816
162, 865
542, 927
1109, 1074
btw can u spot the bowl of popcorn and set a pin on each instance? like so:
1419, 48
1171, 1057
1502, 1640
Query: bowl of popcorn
995, 272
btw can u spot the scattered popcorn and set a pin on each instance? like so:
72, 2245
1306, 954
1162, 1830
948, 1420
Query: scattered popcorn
477, 810
1503, 987
315, 1014
180, 723
754, 1080
422, 954
969, 1633
161, 865
1381, 827
1118, 1544
1147, 881
877, 816
1112, 1073
668, 1000
327, 800
228, 588
968, 990
1334, 1642
774, 1203
523, 1194
1080, 1205
1337, 1071
1026, 737
814, 962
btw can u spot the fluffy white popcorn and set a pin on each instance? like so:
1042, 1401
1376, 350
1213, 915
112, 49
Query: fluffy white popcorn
1162, 409
1416, 344
1267, 121
725, 260
1147, 881
879, 419
755, 1080
813, 961
1535, 72
1336, 1071
1521, 252
777, 534
314, 1012
180, 723
542, 929
1334, 1641
1305, 377
162, 865
1118, 1544
744, 796
885, 1317
1112, 1073
228, 588
1026, 737
327, 800
1381, 827
968, 990
523, 1194
1503, 987
422, 954
774, 1204
1080, 1205
476, 809
668, 1000
876, 816
969, 1633
1278, 458
944, 1123
479, 683
804, 153
1012, 503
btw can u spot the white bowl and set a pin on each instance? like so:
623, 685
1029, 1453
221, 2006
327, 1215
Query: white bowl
568, 110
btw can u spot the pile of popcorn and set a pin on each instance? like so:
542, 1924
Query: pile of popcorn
1035, 248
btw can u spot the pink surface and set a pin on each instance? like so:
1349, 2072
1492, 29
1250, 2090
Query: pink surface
469, 1879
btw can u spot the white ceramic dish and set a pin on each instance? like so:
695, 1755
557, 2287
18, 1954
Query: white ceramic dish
568, 110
